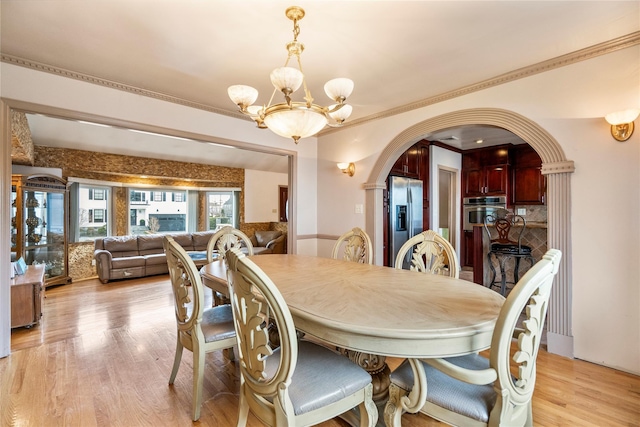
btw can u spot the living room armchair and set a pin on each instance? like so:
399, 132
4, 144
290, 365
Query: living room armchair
268, 242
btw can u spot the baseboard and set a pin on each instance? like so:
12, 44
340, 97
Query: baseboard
560, 344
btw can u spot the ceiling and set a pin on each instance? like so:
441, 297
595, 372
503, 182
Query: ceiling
397, 53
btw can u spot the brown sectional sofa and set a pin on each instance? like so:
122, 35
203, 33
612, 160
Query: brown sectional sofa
123, 257
268, 242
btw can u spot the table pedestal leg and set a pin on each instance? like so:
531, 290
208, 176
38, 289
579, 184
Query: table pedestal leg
377, 367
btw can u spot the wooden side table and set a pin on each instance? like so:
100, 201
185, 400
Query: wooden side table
27, 297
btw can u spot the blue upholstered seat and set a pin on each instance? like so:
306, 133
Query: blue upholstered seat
458, 396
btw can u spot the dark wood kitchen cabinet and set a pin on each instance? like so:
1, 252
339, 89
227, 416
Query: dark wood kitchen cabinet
485, 172
467, 249
528, 185
408, 164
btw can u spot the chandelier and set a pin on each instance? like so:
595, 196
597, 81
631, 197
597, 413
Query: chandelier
294, 119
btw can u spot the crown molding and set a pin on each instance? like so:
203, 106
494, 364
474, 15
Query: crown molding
27, 63
594, 51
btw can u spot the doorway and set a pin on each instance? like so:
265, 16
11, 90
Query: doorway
447, 206
283, 203
555, 166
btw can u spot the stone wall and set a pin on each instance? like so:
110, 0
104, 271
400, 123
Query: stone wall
21, 142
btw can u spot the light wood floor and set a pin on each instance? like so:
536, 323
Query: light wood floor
103, 353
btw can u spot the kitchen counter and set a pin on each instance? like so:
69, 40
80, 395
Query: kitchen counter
530, 224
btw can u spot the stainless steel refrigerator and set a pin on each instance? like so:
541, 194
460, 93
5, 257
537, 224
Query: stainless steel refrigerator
405, 214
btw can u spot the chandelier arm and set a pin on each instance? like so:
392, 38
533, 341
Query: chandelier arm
271, 99
307, 93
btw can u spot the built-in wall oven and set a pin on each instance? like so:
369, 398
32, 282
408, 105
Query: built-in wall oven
477, 208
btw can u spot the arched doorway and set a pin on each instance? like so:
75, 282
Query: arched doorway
554, 165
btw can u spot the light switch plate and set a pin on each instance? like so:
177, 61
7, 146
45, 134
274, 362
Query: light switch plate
359, 209
521, 211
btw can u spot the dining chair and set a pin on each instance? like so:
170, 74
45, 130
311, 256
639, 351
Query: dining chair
503, 247
432, 253
473, 390
299, 383
200, 330
226, 238
357, 247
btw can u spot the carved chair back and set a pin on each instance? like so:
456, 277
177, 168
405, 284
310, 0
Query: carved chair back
432, 253
517, 374
226, 238
187, 288
503, 221
357, 247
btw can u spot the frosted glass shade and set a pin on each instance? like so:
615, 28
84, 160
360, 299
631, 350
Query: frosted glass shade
242, 95
342, 114
339, 89
254, 110
622, 117
286, 78
296, 123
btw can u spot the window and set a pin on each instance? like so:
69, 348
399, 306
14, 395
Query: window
89, 219
96, 194
138, 196
98, 215
222, 209
151, 211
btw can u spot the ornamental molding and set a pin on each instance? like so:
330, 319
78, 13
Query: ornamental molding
594, 51
38, 66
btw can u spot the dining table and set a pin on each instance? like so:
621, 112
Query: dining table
371, 312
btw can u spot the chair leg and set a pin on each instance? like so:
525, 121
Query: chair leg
198, 376
393, 410
176, 361
503, 276
493, 271
516, 272
368, 409
243, 408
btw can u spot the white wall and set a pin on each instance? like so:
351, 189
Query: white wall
449, 159
570, 104
261, 196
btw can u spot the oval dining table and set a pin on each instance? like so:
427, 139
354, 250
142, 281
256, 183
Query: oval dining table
372, 311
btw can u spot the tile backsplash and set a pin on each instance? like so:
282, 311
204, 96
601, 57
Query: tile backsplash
535, 213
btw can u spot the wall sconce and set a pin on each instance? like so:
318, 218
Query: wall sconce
622, 123
348, 168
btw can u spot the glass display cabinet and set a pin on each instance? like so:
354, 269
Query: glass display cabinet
39, 224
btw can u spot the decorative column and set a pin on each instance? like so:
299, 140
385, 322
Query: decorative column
559, 330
